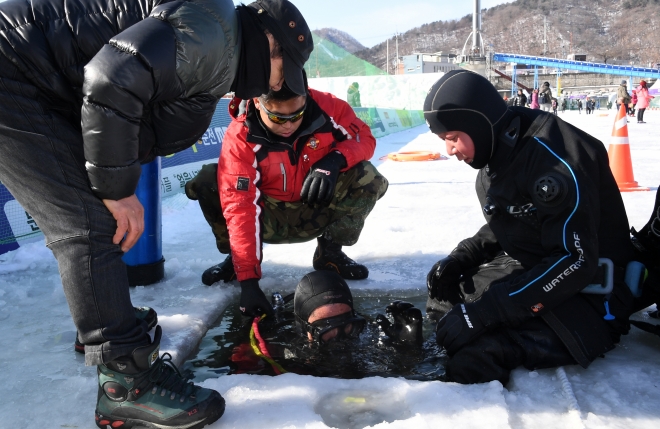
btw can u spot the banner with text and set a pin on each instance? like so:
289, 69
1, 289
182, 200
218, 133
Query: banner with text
17, 226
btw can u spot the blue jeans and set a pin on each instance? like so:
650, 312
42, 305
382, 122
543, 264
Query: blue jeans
43, 165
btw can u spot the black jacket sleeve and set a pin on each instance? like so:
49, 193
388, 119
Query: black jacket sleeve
153, 89
137, 67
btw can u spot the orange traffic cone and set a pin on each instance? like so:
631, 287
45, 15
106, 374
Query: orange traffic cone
619, 154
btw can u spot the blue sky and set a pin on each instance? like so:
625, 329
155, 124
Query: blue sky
373, 21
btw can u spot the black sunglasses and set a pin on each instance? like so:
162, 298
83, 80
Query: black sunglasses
345, 326
282, 119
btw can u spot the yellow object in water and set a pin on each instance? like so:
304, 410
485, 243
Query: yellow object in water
353, 399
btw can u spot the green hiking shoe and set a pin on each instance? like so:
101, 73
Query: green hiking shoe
147, 391
147, 314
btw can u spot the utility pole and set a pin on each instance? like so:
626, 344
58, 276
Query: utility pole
387, 61
396, 70
477, 41
545, 36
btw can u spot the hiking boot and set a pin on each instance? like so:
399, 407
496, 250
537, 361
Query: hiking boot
147, 314
223, 271
329, 256
147, 391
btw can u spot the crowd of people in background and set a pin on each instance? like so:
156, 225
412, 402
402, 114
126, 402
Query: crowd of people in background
635, 102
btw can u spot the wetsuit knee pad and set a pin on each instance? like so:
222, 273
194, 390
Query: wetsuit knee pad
541, 346
490, 357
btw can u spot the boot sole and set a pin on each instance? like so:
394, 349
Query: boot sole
104, 422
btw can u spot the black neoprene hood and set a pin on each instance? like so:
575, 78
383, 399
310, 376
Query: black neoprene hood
465, 101
319, 288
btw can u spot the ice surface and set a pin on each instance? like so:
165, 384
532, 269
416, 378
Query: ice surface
428, 208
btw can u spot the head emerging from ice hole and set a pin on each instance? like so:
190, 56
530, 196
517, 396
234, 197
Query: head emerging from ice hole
323, 307
466, 111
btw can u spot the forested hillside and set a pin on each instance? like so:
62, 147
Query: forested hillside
610, 31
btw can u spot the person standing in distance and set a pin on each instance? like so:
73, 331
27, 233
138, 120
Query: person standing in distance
88, 92
622, 96
643, 100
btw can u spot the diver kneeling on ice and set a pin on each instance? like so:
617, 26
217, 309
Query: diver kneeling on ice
511, 294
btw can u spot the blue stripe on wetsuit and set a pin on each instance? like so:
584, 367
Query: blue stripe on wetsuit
577, 189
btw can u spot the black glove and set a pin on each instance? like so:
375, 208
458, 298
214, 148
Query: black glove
253, 301
458, 327
465, 322
319, 185
443, 279
407, 326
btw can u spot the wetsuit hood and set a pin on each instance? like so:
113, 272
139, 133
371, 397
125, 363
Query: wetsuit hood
319, 288
465, 101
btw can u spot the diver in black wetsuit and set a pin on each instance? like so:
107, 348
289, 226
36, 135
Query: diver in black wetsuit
510, 294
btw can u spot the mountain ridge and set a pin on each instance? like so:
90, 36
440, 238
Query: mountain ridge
606, 31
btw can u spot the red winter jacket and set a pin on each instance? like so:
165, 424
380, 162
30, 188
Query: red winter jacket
254, 162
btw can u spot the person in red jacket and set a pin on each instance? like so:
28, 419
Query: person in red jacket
292, 168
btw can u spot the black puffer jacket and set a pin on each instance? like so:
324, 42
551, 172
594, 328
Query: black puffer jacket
142, 77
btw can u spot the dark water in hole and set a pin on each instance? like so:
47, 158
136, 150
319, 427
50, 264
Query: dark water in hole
226, 350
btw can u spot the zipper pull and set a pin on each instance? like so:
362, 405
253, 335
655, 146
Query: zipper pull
283, 170
608, 315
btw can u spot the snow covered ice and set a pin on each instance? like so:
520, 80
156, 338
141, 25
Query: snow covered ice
428, 209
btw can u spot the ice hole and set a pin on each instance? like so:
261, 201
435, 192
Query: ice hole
226, 347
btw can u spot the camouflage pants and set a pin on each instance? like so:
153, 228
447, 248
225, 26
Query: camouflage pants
356, 193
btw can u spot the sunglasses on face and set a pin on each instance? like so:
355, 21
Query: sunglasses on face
344, 326
283, 119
